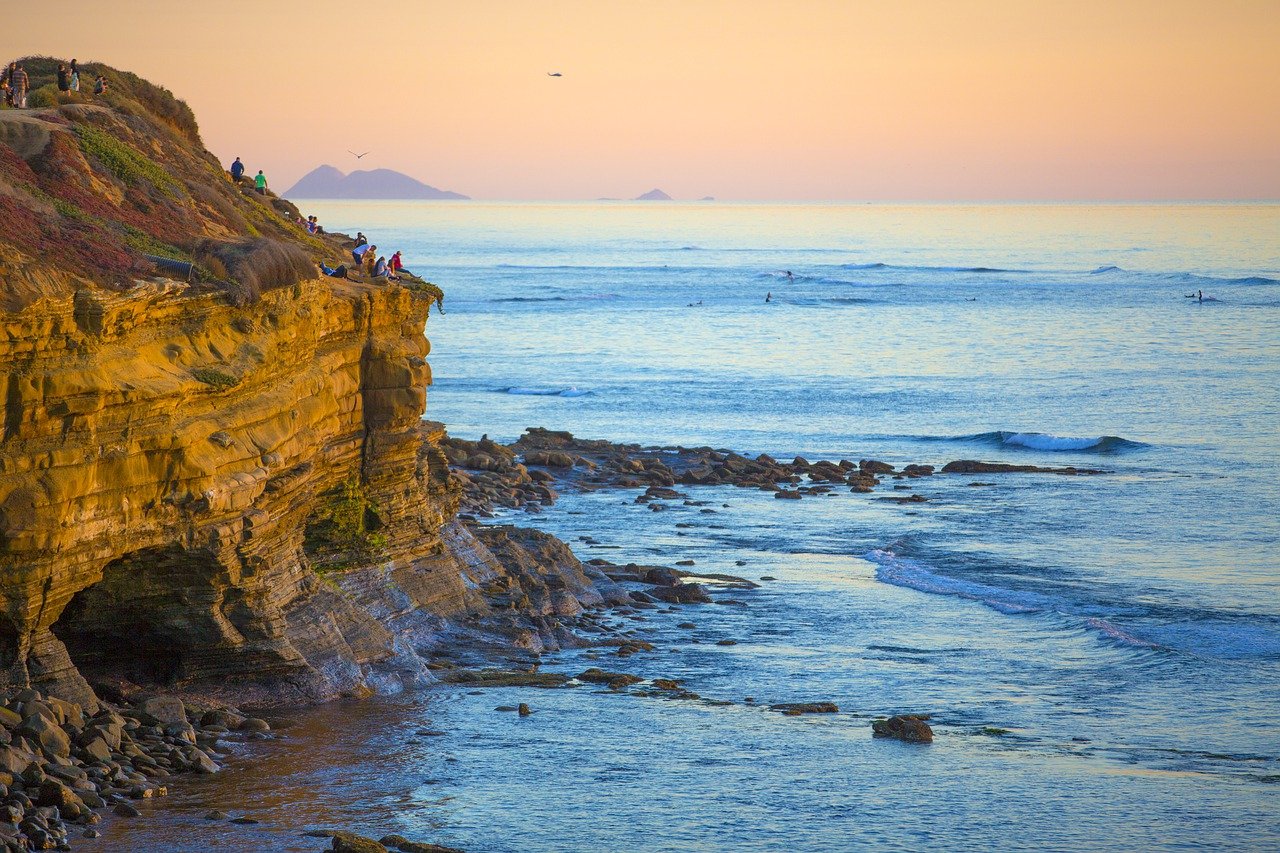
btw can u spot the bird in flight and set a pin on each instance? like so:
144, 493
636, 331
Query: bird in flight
354, 154
554, 74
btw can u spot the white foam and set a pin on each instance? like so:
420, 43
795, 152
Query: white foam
900, 571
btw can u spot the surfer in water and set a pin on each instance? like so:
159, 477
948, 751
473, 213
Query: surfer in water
768, 297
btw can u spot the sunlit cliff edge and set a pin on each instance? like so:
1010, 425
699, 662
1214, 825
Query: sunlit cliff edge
218, 481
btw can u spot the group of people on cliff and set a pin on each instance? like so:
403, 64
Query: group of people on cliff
259, 180
375, 265
15, 82
364, 257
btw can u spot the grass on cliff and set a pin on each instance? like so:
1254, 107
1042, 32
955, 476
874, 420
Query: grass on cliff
125, 162
247, 268
344, 531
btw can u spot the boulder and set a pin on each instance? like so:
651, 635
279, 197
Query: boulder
911, 728
48, 734
166, 709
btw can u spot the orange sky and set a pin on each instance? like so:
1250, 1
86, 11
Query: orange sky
740, 99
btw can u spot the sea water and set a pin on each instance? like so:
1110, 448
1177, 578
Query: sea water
1100, 654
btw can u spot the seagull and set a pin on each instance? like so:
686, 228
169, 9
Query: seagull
554, 74
354, 154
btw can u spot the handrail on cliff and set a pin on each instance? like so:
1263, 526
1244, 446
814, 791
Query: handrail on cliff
183, 268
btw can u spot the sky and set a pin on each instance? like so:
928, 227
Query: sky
737, 99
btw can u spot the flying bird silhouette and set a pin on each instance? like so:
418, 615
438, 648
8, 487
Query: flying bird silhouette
554, 74
354, 154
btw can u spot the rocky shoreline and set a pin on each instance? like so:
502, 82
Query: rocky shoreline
63, 766
530, 473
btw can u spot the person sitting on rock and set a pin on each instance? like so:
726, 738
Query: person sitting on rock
379, 268
100, 85
397, 266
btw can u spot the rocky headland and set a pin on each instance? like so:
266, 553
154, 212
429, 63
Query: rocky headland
217, 489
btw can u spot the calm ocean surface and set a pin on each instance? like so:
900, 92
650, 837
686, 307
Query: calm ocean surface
1101, 654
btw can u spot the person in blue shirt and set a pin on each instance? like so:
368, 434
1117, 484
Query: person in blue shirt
237, 169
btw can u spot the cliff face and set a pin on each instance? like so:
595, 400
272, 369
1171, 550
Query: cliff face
213, 485
163, 455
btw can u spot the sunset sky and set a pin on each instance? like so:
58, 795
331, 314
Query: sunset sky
740, 99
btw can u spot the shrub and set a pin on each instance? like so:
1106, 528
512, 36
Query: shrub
255, 265
215, 378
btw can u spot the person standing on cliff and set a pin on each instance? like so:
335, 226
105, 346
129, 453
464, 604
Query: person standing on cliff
260, 183
64, 78
237, 170
18, 83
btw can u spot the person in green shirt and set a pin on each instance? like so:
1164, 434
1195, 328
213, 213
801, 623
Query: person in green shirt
260, 183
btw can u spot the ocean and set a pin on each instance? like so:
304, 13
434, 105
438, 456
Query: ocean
1100, 655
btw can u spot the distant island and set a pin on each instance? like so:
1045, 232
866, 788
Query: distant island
328, 182
653, 195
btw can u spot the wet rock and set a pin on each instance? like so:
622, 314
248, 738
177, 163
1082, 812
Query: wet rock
612, 680
798, 708
972, 466
254, 724
404, 845
787, 494
126, 810
662, 576
685, 593
349, 842
911, 728
506, 678
216, 815
523, 710
874, 466
726, 642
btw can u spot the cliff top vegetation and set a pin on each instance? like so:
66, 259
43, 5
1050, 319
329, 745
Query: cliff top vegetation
92, 185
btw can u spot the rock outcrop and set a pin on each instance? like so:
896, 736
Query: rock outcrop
223, 483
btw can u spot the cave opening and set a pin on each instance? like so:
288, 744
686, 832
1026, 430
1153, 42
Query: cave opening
123, 627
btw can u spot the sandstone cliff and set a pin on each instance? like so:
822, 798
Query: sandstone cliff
222, 483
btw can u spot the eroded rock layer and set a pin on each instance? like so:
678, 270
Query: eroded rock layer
166, 459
